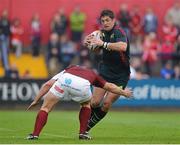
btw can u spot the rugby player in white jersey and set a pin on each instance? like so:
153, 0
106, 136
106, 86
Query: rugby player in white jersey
73, 83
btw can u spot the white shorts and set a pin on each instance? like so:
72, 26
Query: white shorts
70, 87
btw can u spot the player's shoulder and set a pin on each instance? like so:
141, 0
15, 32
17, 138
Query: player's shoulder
118, 30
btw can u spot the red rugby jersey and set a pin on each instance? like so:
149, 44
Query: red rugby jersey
87, 74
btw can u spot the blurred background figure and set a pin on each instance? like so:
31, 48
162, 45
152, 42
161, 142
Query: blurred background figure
35, 34
4, 39
13, 72
167, 49
167, 71
170, 31
150, 50
16, 37
26, 75
84, 54
124, 19
177, 51
59, 23
77, 24
150, 21
136, 30
53, 54
176, 74
67, 51
173, 14
136, 70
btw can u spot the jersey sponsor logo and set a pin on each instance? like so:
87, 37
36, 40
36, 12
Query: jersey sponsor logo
112, 36
58, 89
68, 81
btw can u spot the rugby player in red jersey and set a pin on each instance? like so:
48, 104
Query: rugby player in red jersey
73, 83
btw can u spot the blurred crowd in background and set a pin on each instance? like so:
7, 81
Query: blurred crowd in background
153, 54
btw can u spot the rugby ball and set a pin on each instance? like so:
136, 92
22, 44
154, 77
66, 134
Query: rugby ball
98, 35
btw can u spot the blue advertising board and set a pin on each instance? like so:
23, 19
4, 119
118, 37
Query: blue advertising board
152, 92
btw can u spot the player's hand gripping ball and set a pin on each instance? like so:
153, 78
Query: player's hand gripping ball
97, 35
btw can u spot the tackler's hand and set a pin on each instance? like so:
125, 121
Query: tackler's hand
128, 93
34, 103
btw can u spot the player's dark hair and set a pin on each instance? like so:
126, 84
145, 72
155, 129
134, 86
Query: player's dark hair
107, 12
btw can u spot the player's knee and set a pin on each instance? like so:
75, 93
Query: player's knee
46, 109
106, 106
94, 103
86, 104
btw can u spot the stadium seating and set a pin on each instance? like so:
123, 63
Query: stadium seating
1, 71
35, 65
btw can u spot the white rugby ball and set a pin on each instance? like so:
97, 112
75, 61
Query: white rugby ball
98, 35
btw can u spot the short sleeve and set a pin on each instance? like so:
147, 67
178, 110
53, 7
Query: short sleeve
100, 82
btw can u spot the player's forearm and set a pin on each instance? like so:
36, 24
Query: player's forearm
115, 89
41, 93
117, 46
44, 89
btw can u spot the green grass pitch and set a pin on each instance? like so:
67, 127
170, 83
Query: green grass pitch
116, 128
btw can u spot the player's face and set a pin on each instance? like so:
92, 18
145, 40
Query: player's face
107, 23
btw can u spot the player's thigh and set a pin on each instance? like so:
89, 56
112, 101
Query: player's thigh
49, 101
98, 95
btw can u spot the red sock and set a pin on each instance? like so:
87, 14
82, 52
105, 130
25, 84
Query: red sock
41, 120
84, 116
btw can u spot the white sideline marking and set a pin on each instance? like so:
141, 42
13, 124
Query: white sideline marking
10, 137
47, 134
7, 129
56, 135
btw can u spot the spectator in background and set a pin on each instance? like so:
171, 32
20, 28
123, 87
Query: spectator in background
64, 20
150, 49
167, 72
173, 14
124, 19
53, 54
136, 29
67, 51
4, 39
35, 35
16, 37
26, 75
170, 31
77, 24
167, 50
13, 72
150, 21
59, 23
177, 51
176, 74
84, 54
136, 72
178, 45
